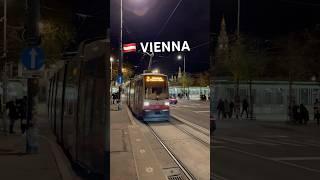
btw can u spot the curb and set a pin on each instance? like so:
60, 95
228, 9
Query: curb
62, 162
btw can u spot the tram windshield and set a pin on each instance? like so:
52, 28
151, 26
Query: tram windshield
156, 88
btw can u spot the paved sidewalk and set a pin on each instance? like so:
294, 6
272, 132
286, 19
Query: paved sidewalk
49, 163
130, 154
122, 165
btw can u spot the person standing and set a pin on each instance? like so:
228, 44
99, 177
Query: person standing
10, 105
245, 106
220, 108
226, 109
22, 109
295, 113
316, 110
231, 105
304, 114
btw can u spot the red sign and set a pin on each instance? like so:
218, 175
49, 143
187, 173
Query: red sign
131, 47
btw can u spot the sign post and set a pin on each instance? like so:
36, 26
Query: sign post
32, 59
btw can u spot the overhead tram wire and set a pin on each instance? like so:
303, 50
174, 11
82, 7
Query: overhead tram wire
167, 21
298, 3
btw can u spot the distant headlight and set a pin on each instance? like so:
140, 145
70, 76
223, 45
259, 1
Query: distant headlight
146, 103
167, 103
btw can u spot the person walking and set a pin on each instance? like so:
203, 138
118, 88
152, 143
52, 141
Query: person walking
11, 106
220, 109
231, 105
226, 109
245, 106
316, 110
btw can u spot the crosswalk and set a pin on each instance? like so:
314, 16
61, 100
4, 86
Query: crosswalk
266, 141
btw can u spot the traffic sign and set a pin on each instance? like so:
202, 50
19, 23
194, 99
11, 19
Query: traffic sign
32, 58
120, 79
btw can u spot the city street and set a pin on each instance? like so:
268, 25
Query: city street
265, 150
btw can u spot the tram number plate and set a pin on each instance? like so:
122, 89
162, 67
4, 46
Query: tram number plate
157, 112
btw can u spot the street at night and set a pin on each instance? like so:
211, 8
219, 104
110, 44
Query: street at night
160, 89
245, 149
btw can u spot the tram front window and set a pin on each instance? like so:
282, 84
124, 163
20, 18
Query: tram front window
156, 90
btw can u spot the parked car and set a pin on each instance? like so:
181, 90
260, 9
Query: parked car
173, 100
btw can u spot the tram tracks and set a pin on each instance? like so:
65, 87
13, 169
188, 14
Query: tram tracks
183, 150
197, 138
176, 123
182, 167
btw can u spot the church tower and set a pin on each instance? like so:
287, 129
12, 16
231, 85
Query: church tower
223, 37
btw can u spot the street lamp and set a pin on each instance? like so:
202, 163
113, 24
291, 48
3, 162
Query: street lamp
111, 61
179, 57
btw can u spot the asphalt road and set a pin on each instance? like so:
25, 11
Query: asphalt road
196, 112
250, 150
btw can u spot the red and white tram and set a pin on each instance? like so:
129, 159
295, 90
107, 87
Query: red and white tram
148, 97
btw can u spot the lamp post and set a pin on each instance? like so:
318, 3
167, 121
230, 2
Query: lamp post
179, 57
238, 19
4, 77
111, 61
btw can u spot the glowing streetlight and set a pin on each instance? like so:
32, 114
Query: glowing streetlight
155, 71
179, 57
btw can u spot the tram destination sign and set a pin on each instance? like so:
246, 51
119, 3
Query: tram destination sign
158, 47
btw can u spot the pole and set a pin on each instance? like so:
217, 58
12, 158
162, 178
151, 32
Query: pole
184, 74
5, 78
238, 20
121, 52
121, 38
32, 40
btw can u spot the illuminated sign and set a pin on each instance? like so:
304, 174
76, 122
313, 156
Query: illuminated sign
169, 46
154, 79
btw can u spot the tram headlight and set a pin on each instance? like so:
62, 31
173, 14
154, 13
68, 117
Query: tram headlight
146, 103
167, 103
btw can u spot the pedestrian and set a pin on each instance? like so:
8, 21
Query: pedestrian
231, 105
316, 110
245, 106
12, 113
113, 97
295, 113
22, 111
220, 109
304, 114
226, 109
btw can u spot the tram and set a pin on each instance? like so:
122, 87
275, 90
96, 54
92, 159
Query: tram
76, 110
148, 97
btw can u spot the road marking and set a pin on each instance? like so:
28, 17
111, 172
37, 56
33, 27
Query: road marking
266, 158
282, 142
257, 142
201, 111
295, 158
217, 147
234, 140
275, 136
217, 177
149, 169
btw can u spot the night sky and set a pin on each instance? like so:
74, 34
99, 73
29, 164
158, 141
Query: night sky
91, 18
143, 23
266, 18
